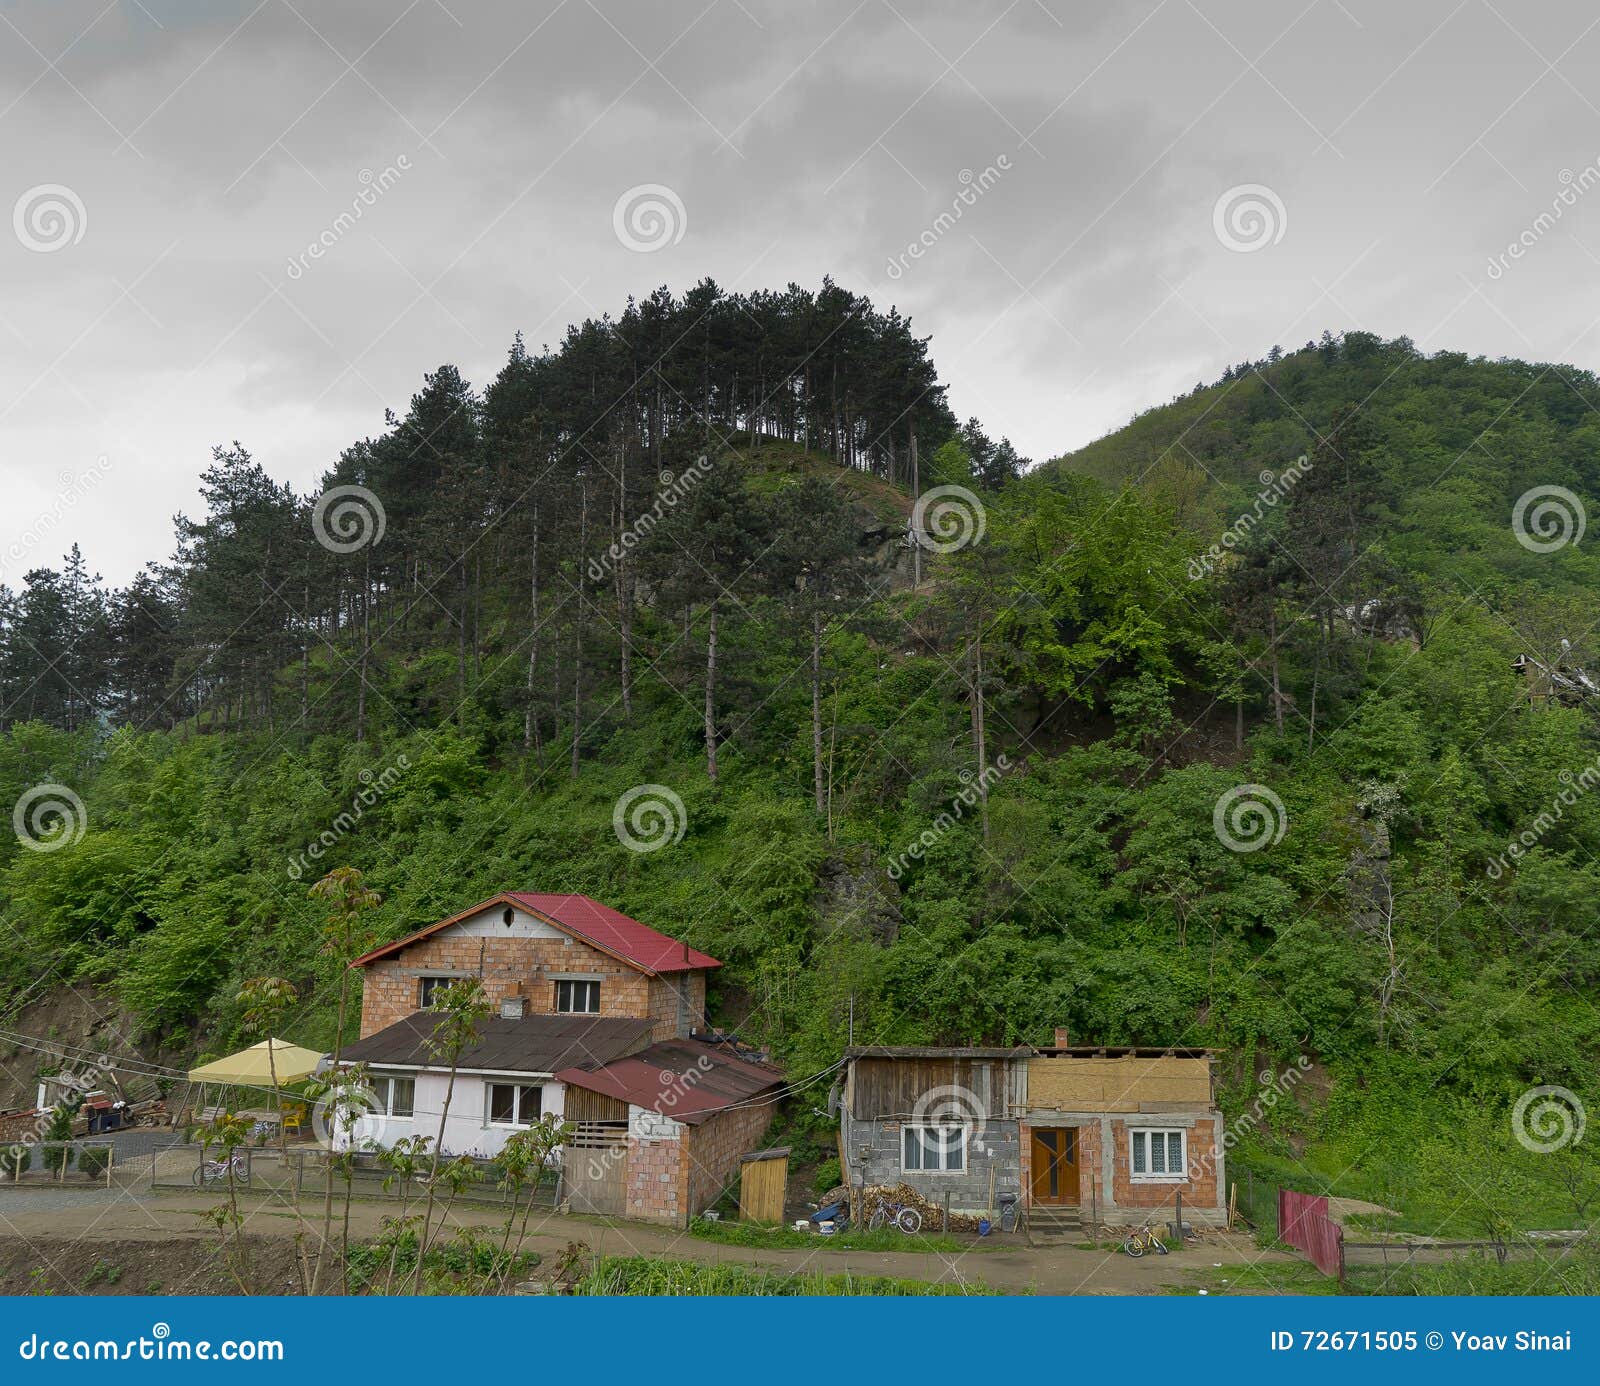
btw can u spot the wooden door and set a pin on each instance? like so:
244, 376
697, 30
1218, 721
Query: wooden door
1054, 1151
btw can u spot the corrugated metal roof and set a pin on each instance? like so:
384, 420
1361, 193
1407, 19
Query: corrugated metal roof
607, 929
680, 1078
613, 931
534, 1044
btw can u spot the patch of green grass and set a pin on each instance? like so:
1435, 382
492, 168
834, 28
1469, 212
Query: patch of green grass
852, 1239
655, 1275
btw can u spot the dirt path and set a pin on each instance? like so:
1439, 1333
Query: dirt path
66, 1241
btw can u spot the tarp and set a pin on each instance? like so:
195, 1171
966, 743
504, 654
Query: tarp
251, 1067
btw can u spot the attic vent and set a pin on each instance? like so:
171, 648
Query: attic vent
510, 916
511, 1008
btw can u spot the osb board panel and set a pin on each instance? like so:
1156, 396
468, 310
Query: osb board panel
1117, 1085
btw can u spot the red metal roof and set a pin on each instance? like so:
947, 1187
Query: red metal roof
680, 1078
607, 929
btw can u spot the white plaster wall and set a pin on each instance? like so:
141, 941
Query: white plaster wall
466, 1132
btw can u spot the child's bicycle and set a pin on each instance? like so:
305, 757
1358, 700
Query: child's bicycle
1143, 1239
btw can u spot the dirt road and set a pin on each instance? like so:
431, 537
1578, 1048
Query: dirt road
57, 1239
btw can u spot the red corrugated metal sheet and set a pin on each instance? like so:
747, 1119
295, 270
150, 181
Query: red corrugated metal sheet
607, 929
682, 1079
1303, 1222
613, 931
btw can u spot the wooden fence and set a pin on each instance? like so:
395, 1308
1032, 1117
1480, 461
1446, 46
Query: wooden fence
1303, 1222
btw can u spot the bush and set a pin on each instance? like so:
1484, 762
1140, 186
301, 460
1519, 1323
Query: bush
94, 1160
14, 1160
58, 1158
829, 1176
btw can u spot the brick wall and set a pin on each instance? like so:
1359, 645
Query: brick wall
656, 1184
520, 967
714, 1148
1200, 1189
673, 1180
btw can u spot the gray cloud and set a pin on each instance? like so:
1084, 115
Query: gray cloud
212, 144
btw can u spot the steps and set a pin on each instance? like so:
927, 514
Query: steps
1055, 1226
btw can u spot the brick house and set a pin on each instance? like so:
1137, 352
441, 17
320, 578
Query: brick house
601, 1022
1074, 1133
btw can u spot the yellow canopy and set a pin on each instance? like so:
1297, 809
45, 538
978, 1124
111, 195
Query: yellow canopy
252, 1068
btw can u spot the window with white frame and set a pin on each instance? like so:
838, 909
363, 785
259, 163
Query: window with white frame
511, 1104
928, 1148
1157, 1156
397, 1097
575, 997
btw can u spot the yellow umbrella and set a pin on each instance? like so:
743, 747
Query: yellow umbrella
252, 1068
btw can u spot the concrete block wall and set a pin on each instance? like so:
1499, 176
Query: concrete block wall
1000, 1151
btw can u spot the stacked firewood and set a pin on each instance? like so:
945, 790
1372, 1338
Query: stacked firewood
875, 1196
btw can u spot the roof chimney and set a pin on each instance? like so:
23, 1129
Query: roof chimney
511, 1008
1063, 1037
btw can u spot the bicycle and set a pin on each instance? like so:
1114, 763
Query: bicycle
210, 1171
1143, 1239
901, 1215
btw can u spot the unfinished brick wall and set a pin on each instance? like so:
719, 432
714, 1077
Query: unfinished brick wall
1200, 1190
656, 1185
714, 1148
512, 967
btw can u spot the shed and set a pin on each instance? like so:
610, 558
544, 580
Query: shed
763, 1182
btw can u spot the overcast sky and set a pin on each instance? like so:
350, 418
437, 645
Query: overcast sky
1153, 191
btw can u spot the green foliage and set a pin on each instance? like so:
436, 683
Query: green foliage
1351, 651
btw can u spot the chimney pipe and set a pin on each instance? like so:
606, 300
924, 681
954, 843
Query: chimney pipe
1063, 1037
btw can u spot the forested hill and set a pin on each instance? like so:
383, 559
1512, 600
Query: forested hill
1142, 741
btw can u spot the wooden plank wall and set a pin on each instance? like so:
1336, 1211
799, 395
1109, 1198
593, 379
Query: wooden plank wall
583, 1105
762, 1184
1123, 1084
887, 1088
